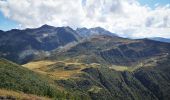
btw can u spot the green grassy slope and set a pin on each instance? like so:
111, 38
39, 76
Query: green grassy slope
91, 70
156, 79
145, 83
102, 83
18, 78
112, 51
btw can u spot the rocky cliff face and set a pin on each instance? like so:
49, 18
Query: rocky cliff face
88, 33
22, 45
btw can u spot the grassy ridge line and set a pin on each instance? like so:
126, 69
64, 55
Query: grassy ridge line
20, 95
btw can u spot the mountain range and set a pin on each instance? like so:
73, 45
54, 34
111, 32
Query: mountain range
161, 39
83, 64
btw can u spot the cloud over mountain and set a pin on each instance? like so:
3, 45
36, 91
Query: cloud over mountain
126, 17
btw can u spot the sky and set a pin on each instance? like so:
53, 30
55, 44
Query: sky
127, 18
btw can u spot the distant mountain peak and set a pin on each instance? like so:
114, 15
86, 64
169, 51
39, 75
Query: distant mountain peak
47, 26
87, 33
1, 31
161, 39
98, 28
28, 43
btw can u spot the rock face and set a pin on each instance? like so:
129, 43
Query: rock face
21, 45
88, 33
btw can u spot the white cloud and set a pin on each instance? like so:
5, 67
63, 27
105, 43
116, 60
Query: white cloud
125, 17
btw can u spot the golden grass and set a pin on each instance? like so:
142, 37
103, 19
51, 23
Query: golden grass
63, 74
20, 95
39, 64
119, 68
42, 67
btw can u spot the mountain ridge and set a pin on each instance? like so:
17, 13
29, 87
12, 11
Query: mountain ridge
100, 66
26, 43
161, 39
88, 32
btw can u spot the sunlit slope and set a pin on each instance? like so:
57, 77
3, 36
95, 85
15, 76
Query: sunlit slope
110, 68
148, 80
58, 69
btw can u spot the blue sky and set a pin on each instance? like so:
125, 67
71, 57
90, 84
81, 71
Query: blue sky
7, 24
152, 3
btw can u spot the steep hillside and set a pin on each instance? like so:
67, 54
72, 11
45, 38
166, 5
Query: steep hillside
100, 67
124, 68
19, 82
110, 50
22, 45
17, 78
150, 81
156, 78
139, 69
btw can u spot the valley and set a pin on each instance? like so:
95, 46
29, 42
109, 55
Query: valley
66, 64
